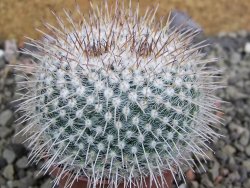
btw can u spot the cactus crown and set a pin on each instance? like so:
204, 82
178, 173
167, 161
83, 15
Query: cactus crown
119, 97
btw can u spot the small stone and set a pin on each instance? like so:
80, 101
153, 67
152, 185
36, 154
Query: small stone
247, 47
8, 172
5, 132
15, 183
25, 182
246, 164
222, 34
243, 33
210, 154
21, 173
183, 186
218, 179
2, 181
232, 164
6, 118
190, 175
19, 150
222, 156
234, 127
10, 184
1, 53
214, 172
7, 93
244, 138
221, 143
47, 184
30, 174
246, 184
232, 34
10, 50
9, 156
3, 162
235, 57
224, 171
2, 62
229, 150
238, 146
194, 184
237, 185
22, 163
234, 93
206, 181
243, 173
235, 176
248, 151
228, 44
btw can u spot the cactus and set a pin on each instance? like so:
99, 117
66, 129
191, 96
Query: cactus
119, 97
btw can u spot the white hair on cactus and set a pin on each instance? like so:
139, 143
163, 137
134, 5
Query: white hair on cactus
118, 95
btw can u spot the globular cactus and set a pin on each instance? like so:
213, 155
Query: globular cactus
119, 97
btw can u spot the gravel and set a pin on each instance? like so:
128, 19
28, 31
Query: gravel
248, 151
246, 164
8, 172
5, 132
247, 47
232, 151
229, 166
22, 162
229, 150
9, 155
6, 117
3, 163
15, 172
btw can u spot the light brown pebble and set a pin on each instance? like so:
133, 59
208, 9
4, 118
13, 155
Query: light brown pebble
190, 175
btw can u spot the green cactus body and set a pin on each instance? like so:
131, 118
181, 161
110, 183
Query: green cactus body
119, 98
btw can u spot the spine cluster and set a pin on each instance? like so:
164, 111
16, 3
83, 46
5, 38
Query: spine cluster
119, 97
